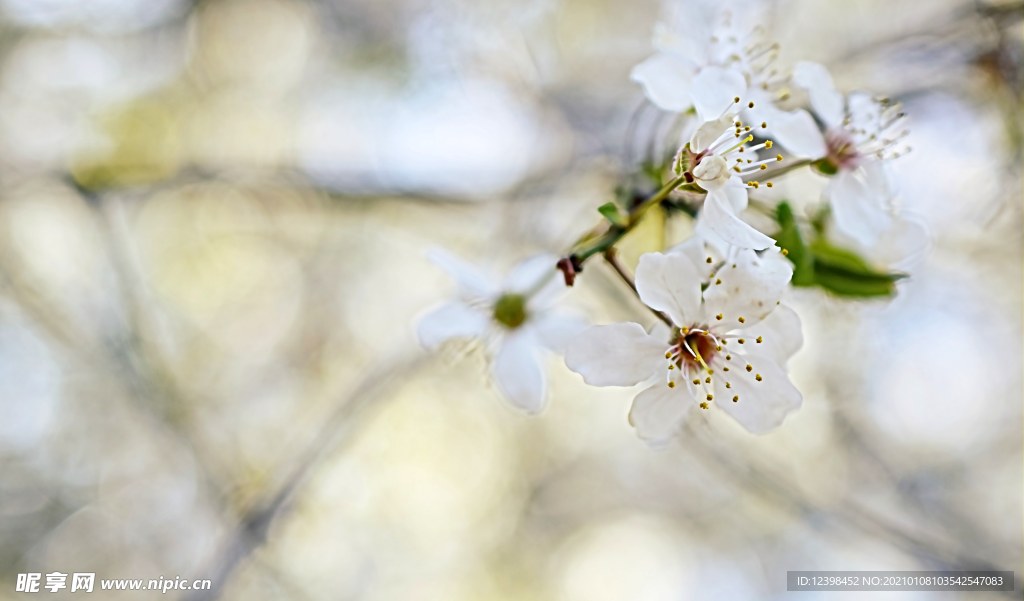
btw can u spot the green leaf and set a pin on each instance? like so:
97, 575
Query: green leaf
611, 212
845, 283
846, 274
819, 263
789, 238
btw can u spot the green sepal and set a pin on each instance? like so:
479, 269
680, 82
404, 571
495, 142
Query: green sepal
825, 167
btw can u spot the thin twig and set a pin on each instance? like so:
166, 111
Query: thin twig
609, 256
767, 175
337, 430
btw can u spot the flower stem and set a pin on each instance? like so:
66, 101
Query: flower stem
609, 256
590, 245
783, 170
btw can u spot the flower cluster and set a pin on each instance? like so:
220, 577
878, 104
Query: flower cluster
723, 336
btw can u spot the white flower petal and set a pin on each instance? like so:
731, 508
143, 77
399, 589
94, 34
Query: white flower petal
698, 251
713, 91
531, 273
781, 335
713, 240
708, 132
555, 331
519, 373
762, 405
902, 244
719, 218
857, 211
472, 282
879, 179
658, 412
827, 102
451, 320
798, 133
670, 283
666, 81
620, 354
751, 286
861, 110
686, 38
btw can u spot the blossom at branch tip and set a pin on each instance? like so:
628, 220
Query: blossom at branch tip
718, 156
861, 133
728, 346
514, 320
714, 51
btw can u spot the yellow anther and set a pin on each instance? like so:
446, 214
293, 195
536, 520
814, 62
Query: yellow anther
728, 358
711, 372
758, 377
750, 368
671, 366
736, 169
736, 99
769, 184
759, 340
785, 96
718, 348
785, 252
728, 385
696, 382
710, 397
735, 398
686, 330
709, 260
755, 184
718, 317
764, 124
741, 341
751, 105
668, 354
671, 384
747, 128
703, 405
778, 157
718, 282
742, 320
767, 143
707, 380
763, 167
726, 368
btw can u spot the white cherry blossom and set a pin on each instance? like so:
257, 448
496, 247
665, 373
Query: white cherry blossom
714, 51
727, 347
718, 156
513, 320
860, 135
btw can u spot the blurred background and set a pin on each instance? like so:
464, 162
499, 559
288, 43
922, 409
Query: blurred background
214, 217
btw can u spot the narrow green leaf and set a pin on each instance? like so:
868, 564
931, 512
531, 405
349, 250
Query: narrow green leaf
845, 283
611, 213
790, 239
844, 273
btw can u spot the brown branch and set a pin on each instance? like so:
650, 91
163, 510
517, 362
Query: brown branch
609, 256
